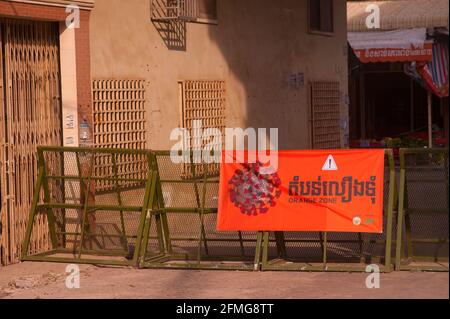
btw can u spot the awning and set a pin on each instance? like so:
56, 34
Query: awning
392, 46
435, 73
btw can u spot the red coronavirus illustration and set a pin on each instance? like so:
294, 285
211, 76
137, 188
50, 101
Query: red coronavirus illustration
254, 193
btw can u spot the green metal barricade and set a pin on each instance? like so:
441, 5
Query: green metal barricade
139, 208
180, 229
94, 203
423, 210
308, 251
131, 208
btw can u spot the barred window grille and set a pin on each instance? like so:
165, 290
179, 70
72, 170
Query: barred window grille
173, 10
119, 122
204, 101
325, 119
183, 10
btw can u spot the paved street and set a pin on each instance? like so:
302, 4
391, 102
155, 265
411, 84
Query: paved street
46, 280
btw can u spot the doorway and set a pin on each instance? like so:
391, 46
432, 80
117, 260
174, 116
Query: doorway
30, 115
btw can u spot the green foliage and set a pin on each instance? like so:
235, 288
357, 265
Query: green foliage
405, 142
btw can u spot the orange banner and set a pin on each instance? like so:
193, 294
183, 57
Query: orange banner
336, 191
395, 55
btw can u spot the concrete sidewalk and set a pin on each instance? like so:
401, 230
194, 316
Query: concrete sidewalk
47, 280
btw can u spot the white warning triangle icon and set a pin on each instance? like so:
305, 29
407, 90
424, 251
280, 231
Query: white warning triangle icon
330, 164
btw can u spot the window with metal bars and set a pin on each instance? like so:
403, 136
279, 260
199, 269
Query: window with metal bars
119, 122
325, 115
184, 10
203, 101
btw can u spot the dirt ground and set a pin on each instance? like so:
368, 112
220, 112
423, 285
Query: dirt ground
47, 280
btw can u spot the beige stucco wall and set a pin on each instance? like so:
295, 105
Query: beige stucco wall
255, 47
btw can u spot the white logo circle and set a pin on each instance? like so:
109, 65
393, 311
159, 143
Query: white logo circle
357, 221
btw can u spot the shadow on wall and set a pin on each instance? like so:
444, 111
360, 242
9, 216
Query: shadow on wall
258, 41
172, 32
